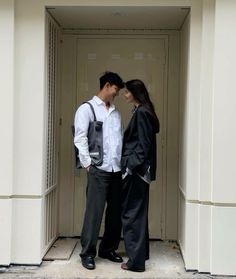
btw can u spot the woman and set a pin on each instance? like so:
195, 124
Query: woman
138, 169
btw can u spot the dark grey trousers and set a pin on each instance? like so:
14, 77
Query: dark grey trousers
102, 188
135, 221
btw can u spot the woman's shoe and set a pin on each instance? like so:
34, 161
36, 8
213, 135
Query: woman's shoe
125, 267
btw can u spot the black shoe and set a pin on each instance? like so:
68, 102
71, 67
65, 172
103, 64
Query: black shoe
125, 267
88, 262
112, 256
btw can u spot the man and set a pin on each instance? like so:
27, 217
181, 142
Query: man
104, 181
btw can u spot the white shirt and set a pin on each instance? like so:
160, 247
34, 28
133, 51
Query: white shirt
112, 134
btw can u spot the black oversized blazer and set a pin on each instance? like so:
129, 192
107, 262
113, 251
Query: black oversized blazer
139, 143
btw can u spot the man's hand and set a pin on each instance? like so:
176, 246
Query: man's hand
88, 168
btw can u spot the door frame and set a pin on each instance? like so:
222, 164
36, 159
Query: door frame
166, 35
163, 140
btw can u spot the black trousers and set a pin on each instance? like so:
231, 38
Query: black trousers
135, 221
102, 188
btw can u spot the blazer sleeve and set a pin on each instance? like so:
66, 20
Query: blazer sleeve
145, 134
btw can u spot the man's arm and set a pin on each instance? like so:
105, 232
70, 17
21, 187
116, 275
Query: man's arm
81, 123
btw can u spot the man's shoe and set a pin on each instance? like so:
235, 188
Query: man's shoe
88, 262
111, 256
125, 267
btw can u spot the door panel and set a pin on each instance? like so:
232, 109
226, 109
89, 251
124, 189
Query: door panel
132, 58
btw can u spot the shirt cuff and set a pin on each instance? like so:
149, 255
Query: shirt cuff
86, 163
127, 171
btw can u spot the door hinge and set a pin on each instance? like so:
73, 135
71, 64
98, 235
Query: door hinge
60, 121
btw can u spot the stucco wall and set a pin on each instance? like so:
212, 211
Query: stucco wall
184, 69
223, 140
6, 124
207, 155
207, 142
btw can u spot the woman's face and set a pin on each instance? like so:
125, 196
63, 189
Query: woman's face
128, 96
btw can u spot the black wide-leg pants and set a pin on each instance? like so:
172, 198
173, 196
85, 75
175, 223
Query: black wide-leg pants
135, 221
102, 187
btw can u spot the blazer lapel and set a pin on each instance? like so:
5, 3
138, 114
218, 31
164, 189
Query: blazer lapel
131, 120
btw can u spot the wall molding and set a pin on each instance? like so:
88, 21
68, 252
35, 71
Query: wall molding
21, 197
199, 202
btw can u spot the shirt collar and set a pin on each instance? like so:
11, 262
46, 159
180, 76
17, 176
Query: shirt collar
100, 102
135, 108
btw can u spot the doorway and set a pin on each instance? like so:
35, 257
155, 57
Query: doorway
133, 56
151, 55
140, 57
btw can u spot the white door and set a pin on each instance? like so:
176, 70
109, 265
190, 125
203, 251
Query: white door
131, 57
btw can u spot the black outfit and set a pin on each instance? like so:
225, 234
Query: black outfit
103, 187
138, 158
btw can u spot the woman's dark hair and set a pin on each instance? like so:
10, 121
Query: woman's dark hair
140, 94
112, 79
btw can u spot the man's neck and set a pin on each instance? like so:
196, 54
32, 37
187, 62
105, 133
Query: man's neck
101, 95
108, 104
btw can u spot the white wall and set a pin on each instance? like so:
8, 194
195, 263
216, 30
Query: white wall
205, 135
22, 131
208, 31
183, 124
29, 132
195, 136
207, 143
6, 124
29, 98
223, 192
183, 106
6, 231
224, 132
26, 231
23, 145
6, 95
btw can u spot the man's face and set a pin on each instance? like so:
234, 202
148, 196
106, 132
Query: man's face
112, 92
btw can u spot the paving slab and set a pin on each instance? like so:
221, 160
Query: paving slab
61, 249
165, 262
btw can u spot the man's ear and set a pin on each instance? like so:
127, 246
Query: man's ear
107, 85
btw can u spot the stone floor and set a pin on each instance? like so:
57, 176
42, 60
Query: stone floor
165, 262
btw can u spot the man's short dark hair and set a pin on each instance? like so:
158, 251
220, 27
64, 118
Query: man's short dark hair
112, 79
